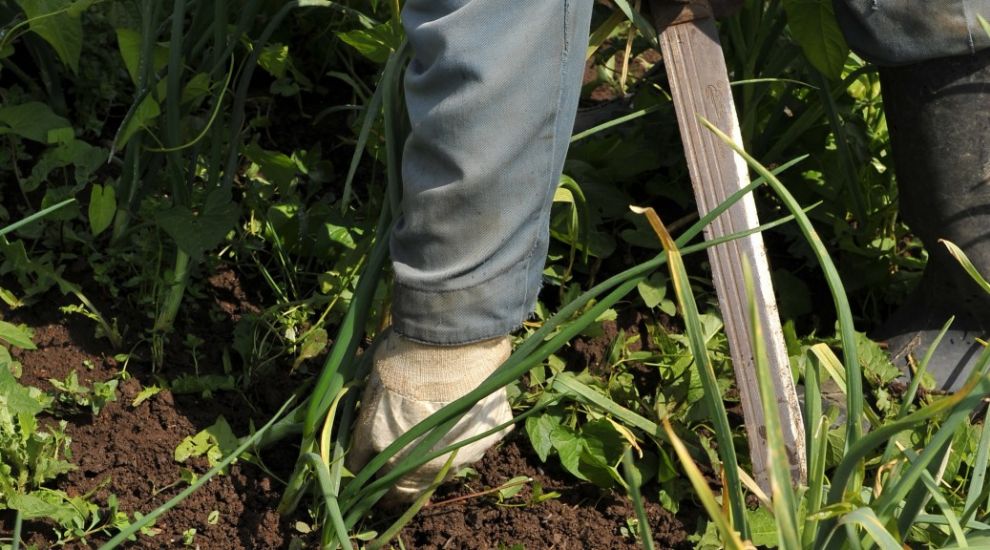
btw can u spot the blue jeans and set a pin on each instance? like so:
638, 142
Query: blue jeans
492, 91
898, 32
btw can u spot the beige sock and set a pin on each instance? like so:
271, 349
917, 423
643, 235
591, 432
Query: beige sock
410, 381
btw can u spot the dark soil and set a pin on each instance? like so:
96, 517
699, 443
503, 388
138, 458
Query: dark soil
128, 451
584, 516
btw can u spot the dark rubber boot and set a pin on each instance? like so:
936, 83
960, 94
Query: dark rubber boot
938, 113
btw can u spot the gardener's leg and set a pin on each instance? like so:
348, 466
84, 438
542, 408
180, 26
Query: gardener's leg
492, 90
937, 102
938, 114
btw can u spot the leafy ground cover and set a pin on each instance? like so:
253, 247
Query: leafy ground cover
182, 331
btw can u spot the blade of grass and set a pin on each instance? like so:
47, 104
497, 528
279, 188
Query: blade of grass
966, 264
851, 185
939, 520
915, 383
644, 27
35, 217
568, 384
817, 458
713, 397
947, 512
816, 444
634, 479
784, 503
730, 537
614, 122
923, 368
332, 379
834, 369
407, 516
325, 442
968, 397
866, 518
932, 455
854, 395
395, 123
977, 483
601, 34
339, 533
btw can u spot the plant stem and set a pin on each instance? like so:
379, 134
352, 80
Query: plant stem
16, 537
176, 290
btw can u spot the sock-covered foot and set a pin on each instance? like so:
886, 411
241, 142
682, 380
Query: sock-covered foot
410, 381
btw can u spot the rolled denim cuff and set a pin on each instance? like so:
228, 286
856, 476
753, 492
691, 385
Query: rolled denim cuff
462, 316
898, 32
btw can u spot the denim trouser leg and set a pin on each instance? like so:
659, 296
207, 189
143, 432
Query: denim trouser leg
897, 32
492, 91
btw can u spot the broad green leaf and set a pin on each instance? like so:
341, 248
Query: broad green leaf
18, 399
196, 232
197, 87
33, 120
214, 442
275, 167
81, 156
60, 136
314, 344
45, 504
59, 194
194, 445
57, 22
539, 430
376, 43
813, 26
877, 367
762, 528
653, 291
102, 208
337, 234
224, 436
603, 447
129, 45
603, 441
14, 335
274, 59
569, 448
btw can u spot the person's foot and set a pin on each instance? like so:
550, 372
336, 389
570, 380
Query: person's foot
943, 293
410, 381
